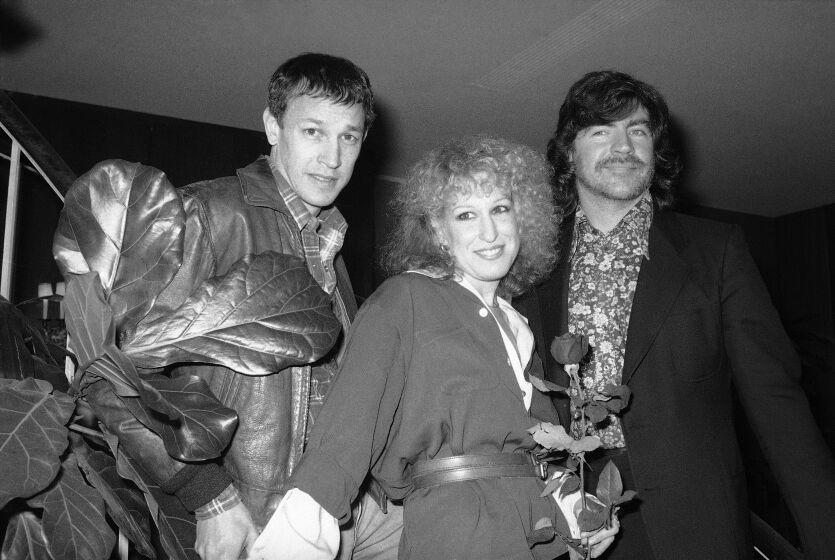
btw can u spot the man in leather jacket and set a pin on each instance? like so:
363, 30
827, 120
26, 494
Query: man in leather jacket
320, 109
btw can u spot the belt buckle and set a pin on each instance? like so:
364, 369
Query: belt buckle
540, 466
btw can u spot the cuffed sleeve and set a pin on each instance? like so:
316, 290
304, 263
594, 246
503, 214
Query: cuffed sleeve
299, 528
197, 485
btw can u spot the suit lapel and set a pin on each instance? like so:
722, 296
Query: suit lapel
560, 278
661, 278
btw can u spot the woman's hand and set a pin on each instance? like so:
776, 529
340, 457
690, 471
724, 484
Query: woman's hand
601, 539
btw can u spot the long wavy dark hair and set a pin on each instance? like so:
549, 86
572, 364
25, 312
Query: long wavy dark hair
448, 171
603, 97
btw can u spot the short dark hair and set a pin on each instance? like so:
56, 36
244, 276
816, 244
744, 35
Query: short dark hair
321, 75
449, 170
603, 97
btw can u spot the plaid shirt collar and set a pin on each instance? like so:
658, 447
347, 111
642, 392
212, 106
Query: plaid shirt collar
322, 236
329, 219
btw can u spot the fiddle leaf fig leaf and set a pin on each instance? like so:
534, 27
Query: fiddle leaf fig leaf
609, 484
51, 373
25, 350
174, 523
25, 539
90, 325
15, 359
33, 435
266, 314
125, 221
74, 519
105, 368
124, 503
201, 428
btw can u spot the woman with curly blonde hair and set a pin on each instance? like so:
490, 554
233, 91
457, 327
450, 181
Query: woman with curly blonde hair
433, 398
452, 170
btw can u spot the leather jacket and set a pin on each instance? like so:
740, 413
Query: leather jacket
226, 219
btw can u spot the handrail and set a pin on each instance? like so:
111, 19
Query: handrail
37, 149
27, 141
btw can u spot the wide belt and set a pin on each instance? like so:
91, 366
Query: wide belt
457, 468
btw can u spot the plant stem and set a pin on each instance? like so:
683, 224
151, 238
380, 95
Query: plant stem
583, 455
86, 431
582, 480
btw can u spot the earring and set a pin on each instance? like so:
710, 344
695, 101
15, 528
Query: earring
443, 247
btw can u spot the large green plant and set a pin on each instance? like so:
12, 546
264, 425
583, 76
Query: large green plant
51, 507
119, 244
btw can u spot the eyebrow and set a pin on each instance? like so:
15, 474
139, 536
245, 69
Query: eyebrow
638, 122
319, 122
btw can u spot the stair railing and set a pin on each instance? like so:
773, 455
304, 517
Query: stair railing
41, 159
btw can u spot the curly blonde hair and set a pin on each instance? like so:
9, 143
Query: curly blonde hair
448, 171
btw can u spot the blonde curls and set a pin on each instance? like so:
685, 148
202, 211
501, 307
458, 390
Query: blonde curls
449, 170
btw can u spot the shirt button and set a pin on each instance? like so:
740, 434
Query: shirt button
483, 312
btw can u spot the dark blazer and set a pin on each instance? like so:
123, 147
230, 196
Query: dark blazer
702, 322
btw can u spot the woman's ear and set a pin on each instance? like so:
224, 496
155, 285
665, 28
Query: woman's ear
438, 231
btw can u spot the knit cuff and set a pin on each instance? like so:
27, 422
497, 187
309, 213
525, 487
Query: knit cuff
197, 485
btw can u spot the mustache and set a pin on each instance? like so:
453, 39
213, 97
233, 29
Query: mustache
620, 160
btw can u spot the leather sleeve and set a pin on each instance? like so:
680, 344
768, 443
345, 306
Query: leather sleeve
194, 484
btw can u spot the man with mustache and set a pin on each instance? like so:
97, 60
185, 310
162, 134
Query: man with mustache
674, 308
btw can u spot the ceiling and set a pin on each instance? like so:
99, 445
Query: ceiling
750, 83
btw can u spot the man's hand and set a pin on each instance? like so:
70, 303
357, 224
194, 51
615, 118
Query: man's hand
224, 536
601, 539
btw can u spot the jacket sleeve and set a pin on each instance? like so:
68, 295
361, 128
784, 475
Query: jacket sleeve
361, 411
766, 372
194, 484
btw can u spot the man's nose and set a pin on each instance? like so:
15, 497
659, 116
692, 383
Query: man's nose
331, 154
622, 142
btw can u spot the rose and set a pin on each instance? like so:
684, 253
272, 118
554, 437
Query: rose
570, 348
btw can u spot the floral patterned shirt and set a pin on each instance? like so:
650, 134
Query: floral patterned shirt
604, 273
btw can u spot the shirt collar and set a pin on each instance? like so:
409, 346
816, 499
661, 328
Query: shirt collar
328, 219
636, 222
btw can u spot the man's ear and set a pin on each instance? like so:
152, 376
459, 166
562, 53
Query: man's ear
271, 126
